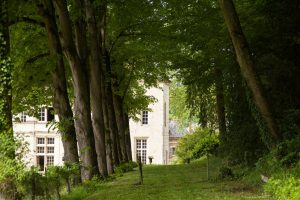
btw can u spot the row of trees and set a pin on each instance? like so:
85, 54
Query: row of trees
243, 87
108, 47
53, 42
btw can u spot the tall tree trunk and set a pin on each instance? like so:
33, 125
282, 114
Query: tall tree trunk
118, 105
220, 103
5, 71
108, 131
111, 113
61, 102
96, 85
112, 125
83, 123
127, 136
247, 66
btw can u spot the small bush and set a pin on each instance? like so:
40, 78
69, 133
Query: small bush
194, 146
125, 167
284, 188
225, 172
288, 152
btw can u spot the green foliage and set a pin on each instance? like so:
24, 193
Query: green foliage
200, 143
242, 143
12, 173
179, 111
12, 169
125, 167
225, 172
282, 167
284, 157
288, 152
284, 188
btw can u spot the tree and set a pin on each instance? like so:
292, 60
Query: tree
75, 52
61, 102
247, 66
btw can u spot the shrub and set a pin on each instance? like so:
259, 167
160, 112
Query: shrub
225, 172
195, 145
34, 184
11, 174
288, 152
12, 170
282, 166
284, 188
125, 167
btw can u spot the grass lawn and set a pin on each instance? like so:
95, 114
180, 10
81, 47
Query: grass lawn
174, 182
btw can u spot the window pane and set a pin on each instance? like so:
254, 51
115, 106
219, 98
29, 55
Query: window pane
42, 114
23, 117
145, 117
41, 140
144, 153
50, 149
50, 140
50, 160
141, 149
40, 150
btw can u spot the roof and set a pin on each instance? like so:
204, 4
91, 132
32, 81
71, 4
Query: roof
173, 130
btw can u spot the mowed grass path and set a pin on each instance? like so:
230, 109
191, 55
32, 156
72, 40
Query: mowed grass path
175, 182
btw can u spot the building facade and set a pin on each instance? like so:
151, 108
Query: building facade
149, 135
44, 146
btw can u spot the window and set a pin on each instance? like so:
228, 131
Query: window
45, 152
40, 150
50, 114
23, 117
145, 117
41, 140
50, 149
50, 140
42, 115
50, 160
141, 149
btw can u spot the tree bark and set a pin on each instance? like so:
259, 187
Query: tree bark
108, 131
61, 102
220, 103
127, 136
118, 105
247, 66
111, 113
82, 111
96, 85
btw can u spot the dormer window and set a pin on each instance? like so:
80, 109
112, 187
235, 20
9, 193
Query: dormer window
145, 117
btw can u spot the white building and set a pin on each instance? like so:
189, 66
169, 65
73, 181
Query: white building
44, 145
149, 136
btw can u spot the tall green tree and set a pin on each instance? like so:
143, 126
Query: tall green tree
247, 66
61, 101
75, 51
